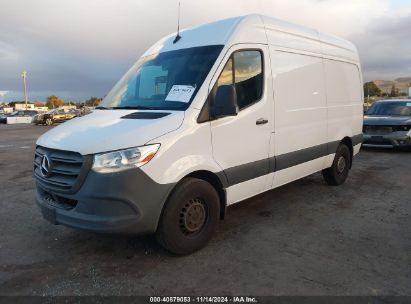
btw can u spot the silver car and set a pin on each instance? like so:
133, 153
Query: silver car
388, 123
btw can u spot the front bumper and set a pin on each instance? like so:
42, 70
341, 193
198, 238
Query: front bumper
127, 202
394, 139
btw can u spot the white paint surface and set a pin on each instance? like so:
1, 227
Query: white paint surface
19, 120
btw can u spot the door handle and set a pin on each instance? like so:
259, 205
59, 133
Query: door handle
261, 121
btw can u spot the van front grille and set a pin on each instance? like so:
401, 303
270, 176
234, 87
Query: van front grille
62, 171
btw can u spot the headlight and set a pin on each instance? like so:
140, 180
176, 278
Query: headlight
124, 159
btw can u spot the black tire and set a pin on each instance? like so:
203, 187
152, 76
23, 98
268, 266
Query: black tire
338, 172
189, 218
49, 122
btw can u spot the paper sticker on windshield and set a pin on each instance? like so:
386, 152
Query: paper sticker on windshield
181, 93
408, 104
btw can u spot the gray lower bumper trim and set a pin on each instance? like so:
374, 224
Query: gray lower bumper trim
126, 202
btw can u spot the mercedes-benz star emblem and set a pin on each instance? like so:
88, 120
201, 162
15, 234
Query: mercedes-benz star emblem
45, 166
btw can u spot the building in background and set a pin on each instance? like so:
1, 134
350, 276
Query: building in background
23, 106
6, 109
31, 106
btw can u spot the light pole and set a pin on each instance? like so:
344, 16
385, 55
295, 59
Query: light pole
24, 76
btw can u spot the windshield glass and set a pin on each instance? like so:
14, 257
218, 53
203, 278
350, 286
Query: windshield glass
394, 108
165, 81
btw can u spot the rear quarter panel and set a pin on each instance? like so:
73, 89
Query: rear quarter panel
344, 99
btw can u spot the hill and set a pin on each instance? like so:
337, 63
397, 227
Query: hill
401, 84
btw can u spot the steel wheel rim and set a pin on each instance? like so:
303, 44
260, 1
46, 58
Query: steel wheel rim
341, 164
193, 216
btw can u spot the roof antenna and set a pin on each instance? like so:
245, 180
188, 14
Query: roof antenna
178, 37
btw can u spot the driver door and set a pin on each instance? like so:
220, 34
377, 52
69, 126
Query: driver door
241, 143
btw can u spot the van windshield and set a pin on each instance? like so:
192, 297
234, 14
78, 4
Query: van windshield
165, 81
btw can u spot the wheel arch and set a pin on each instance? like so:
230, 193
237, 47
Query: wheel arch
217, 182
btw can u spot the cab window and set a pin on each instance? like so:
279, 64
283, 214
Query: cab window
226, 77
244, 70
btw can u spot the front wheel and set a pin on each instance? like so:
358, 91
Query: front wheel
190, 217
338, 172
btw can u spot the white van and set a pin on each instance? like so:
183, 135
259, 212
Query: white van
203, 120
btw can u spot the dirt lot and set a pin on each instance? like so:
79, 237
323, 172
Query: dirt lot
305, 238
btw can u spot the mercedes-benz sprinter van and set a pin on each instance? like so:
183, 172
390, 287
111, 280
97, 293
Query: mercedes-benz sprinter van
221, 113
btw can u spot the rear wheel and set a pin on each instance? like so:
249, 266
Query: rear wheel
49, 121
190, 217
338, 172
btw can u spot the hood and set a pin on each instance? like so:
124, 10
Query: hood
105, 130
387, 120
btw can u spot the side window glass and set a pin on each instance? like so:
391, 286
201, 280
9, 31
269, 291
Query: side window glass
226, 76
248, 76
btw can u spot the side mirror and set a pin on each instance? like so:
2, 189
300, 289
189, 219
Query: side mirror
225, 102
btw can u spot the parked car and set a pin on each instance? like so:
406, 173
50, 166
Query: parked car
193, 128
75, 111
54, 116
3, 118
388, 123
20, 113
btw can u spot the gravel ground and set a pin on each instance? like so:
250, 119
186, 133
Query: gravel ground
305, 238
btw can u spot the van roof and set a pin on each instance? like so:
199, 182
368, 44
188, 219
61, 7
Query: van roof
259, 29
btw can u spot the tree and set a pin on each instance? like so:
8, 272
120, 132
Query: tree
54, 102
13, 103
394, 91
93, 101
371, 89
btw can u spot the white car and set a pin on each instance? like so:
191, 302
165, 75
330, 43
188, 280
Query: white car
231, 109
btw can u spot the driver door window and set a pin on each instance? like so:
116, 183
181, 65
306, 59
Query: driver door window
244, 70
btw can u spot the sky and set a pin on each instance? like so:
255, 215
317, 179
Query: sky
80, 48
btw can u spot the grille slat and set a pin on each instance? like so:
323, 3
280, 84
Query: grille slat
52, 180
37, 161
64, 170
67, 160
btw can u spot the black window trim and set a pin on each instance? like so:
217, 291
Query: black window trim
204, 113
